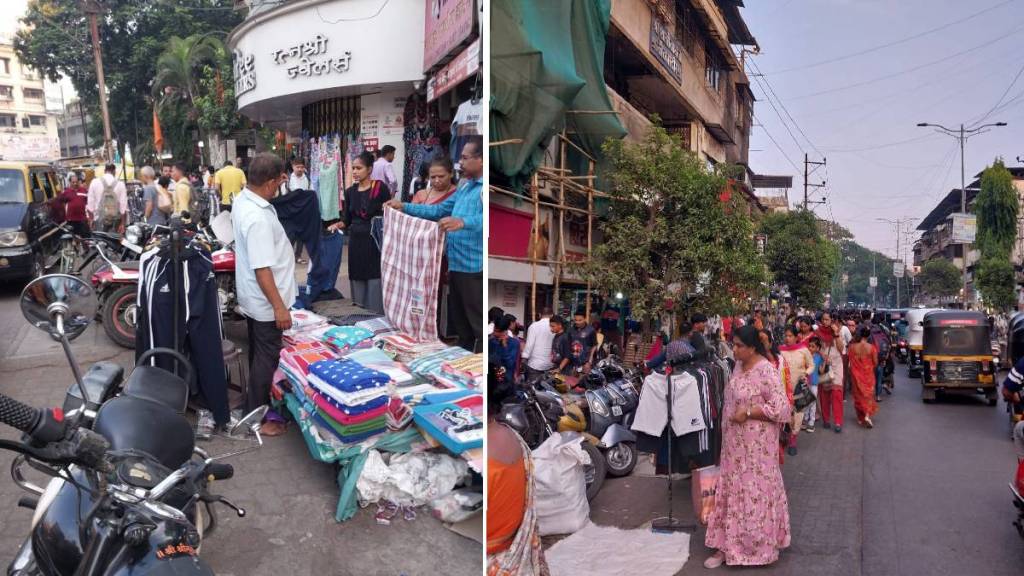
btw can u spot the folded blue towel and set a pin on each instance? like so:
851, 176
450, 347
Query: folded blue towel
348, 376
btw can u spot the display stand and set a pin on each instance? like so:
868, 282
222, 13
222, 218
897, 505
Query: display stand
669, 523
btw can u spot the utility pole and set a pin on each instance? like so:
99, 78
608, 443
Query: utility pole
899, 222
92, 9
66, 149
874, 289
807, 175
962, 135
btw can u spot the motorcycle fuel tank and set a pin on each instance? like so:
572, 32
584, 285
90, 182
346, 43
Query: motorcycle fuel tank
223, 261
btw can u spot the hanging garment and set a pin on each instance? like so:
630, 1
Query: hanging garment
467, 122
327, 190
199, 325
361, 206
299, 213
410, 272
652, 412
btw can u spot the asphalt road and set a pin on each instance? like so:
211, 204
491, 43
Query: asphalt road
924, 492
290, 499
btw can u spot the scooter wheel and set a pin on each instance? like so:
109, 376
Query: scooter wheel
596, 472
119, 315
621, 459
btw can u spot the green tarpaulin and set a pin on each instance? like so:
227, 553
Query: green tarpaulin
547, 58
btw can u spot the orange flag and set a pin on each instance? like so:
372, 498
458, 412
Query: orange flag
158, 135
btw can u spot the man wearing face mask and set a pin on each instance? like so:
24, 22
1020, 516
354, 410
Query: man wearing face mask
265, 275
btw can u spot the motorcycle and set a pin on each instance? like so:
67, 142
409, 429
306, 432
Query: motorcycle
129, 492
537, 413
117, 283
901, 348
1017, 486
611, 402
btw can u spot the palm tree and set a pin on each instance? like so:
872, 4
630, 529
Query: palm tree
179, 65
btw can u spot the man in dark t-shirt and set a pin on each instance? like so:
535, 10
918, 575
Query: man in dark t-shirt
584, 341
561, 347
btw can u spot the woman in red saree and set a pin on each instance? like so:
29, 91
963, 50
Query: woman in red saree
863, 359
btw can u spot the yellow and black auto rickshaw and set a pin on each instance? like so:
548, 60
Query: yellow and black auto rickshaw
957, 355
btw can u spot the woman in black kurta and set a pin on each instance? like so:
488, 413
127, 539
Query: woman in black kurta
363, 201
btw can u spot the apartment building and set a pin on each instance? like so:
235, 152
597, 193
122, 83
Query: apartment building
73, 128
27, 130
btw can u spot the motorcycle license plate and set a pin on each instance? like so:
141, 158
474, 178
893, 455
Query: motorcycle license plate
617, 410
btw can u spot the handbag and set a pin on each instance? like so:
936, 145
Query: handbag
825, 373
803, 396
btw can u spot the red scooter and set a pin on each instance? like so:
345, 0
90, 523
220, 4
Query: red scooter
117, 285
1017, 486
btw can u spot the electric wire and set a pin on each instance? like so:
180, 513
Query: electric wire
892, 43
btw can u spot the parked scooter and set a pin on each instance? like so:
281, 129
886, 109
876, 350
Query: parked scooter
537, 413
129, 492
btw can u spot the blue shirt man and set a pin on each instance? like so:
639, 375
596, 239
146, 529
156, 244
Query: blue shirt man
462, 217
503, 348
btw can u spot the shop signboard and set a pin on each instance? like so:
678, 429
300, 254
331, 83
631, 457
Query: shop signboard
449, 23
29, 147
873, 281
245, 73
897, 269
666, 48
965, 226
451, 74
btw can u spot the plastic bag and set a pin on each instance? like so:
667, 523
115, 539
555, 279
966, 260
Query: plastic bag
560, 490
457, 505
708, 489
411, 479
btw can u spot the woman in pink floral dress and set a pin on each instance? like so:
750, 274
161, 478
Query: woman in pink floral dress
750, 520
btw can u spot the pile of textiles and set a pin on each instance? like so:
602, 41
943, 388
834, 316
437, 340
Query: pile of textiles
468, 370
306, 327
296, 359
431, 366
345, 338
351, 400
379, 326
405, 349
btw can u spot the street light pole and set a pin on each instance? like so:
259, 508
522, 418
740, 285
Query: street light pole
962, 135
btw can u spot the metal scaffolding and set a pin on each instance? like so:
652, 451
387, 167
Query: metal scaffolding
559, 189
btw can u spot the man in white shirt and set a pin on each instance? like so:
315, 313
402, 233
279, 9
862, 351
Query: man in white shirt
384, 171
107, 204
537, 352
264, 275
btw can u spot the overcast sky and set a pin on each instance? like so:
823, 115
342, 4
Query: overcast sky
861, 112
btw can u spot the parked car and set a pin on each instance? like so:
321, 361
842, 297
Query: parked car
28, 235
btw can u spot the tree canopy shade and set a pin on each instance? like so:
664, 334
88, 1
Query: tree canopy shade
669, 238
799, 256
940, 278
133, 34
997, 208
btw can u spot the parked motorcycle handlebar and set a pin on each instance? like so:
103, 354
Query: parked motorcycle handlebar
40, 425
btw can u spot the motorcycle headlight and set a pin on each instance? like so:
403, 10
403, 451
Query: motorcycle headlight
132, 234
597, 405
12, 238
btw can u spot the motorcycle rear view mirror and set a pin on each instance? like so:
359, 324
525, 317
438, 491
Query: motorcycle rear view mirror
59, 304
250, 423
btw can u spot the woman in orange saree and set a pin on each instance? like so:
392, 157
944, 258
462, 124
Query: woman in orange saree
863, 359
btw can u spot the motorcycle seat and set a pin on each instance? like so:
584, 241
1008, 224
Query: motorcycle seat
131, 423
158, 385
109, 236
131, 265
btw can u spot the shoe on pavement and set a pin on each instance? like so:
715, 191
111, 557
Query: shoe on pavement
791, 450
803, 427
810, 429
868, 423
838, 429
878, 398
827, 426
716, 560
204, 424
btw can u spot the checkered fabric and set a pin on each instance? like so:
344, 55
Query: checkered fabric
410, 273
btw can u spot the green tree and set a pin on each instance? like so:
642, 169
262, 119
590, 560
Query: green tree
940, 278
799, 256
133, 33
669, 237
997, 208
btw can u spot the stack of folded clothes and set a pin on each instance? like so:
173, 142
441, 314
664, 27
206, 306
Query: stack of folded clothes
305, 325
351, 400
379, 326
468, 370
430, 365
345, 338
405, 349
296, 359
